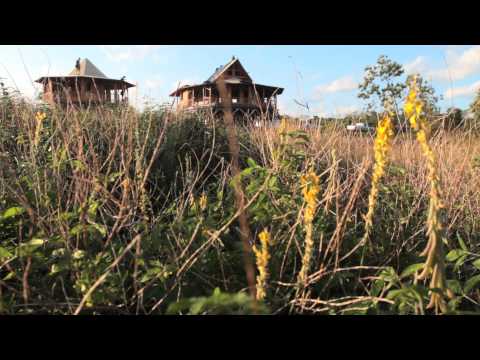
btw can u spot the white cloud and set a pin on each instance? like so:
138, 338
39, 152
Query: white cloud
346, 110
153, 83
459, 65
468, 90
133, 97
17, 77
342, 84
289, 107
128, 52
318, 109
418, 65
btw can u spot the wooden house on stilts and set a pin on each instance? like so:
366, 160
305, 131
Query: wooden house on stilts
84, 86
248, 100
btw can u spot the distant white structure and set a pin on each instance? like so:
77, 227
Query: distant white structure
468, 115
360, 127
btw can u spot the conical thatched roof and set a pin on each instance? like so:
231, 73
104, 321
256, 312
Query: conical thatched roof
86, 68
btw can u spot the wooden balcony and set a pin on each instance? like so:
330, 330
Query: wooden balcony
237, 103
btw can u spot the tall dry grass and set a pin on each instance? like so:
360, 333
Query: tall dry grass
127, 212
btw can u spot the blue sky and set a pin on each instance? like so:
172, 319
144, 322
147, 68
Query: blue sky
326, 77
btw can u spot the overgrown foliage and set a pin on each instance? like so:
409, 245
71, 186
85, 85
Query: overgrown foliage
111, 211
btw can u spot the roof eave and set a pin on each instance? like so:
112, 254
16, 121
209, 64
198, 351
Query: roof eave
43, 78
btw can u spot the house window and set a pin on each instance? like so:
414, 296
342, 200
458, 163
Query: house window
235, 95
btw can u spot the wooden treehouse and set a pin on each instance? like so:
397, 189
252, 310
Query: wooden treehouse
248, 100
85, 85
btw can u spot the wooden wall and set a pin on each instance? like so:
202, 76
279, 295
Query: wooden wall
83, 91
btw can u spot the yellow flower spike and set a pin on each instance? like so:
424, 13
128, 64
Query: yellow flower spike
381, 149
434, 263
311, 188
262, 258
283, 126
125, 184
39, 117
203, 201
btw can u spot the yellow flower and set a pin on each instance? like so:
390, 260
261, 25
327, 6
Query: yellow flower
283, 126
203, 201
380, 148
311, 188
40, 116
434, 264
125, 184
262, 258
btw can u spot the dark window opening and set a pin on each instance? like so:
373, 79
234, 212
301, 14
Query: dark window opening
235, 94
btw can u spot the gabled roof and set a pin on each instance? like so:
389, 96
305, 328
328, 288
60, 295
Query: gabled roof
86, 68
223, 68
231, 80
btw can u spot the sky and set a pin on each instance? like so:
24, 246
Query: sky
324, 77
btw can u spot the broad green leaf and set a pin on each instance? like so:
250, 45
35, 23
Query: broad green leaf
114, 176
471, 283
197, 307
389, 275
476, 263
13, 211
92, 209
252, 163
77, 229
10, 275
272, 182
217, 292
29, 247
462, 243
58, 252
377, 287
54, 269
67, 216
455, 286
395, 293
248, 171
453, 255
100, 228
4, 253
78, 165
460, 261
78, 254
35, 242
410, 270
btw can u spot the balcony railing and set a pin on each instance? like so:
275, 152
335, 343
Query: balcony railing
247, 102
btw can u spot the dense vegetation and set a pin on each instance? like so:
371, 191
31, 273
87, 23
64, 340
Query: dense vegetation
111, 211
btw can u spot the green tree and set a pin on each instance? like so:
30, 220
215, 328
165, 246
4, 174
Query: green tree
475, 109
453, 119
426, 93
381, 83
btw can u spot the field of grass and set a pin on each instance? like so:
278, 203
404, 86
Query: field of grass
111, 211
